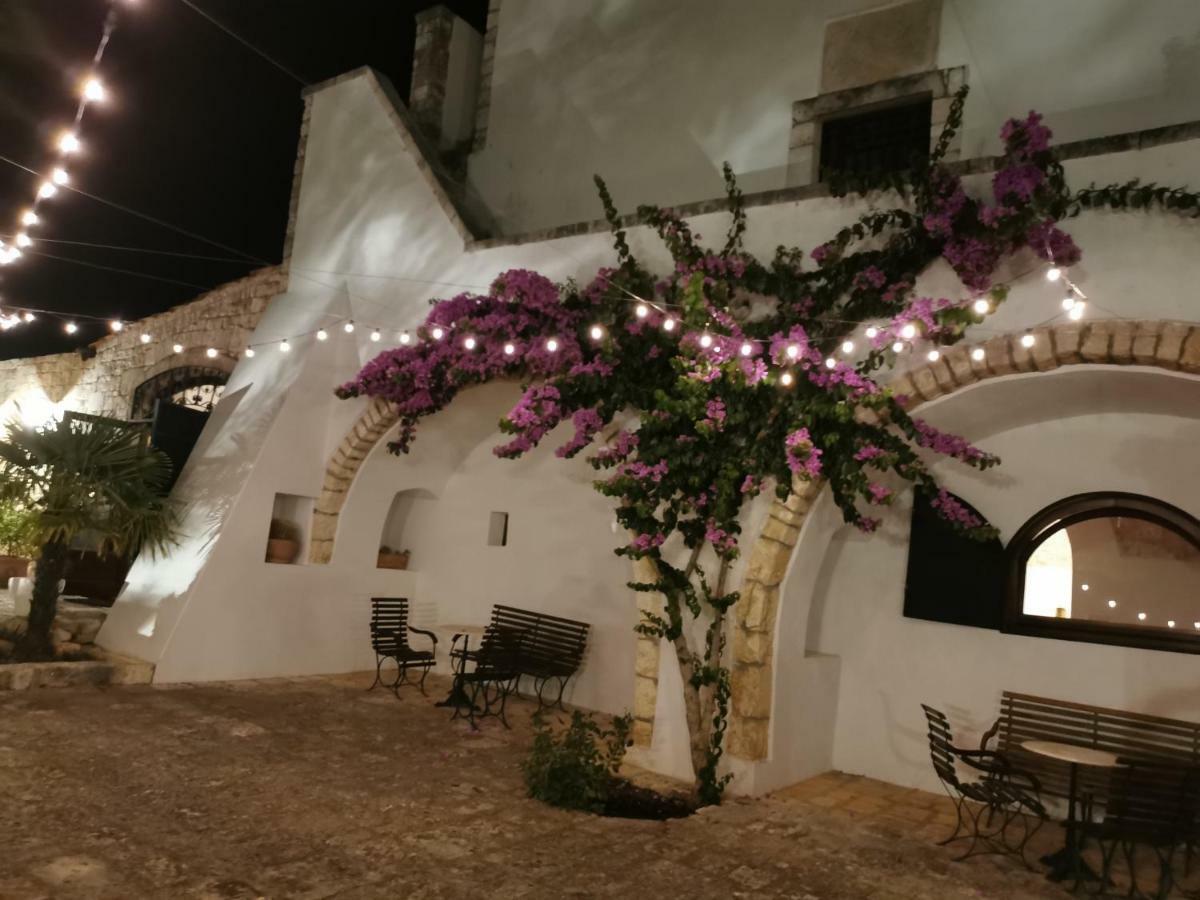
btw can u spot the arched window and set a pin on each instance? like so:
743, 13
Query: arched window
1109, 568
196, 387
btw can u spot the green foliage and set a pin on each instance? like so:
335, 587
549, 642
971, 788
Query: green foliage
1135, 195
18, 529
575, 769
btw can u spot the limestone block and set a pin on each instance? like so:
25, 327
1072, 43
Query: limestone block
646, 661
1189, 357
781, 513
748, 738
643, 733
1022, 356
768, 562
752, 647
1042, 351
777, 530
1145, 342
926, 384
999, 356
880, 44
756, 606
1096, 343
1068, 337
1170, 344
645, 697
905, 392
945, 378
1121, 350
751, 686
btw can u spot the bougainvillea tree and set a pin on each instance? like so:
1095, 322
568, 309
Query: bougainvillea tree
728, 376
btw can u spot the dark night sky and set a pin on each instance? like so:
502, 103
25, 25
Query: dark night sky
198, 131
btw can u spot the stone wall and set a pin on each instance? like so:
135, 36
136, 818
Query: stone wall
222, 319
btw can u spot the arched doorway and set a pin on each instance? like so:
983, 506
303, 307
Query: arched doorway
194, 387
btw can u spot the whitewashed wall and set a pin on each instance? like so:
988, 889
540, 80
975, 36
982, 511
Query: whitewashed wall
656, 96
372, 242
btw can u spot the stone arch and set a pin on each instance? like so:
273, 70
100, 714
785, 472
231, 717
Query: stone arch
170, 381
341, 470
1174, 346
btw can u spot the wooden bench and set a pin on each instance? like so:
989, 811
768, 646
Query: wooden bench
548, 649
1131, 736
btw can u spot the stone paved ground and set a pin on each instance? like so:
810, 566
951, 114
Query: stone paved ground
313, 788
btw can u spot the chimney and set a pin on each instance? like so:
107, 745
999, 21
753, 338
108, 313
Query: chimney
445, 76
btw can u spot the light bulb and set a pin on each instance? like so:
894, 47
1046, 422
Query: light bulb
284, 346
1141, 617
1170, 623
46, 190
93, 89
249, 352
509, 349
596, 332
469, 343
322, 334
68, 142
552, 345
438, 333
641, 310
1027, 340
847, 346
28, 317
668, 324
177, 348
898, 347
1068, 302
792, 351
786, 379
982, 306
872, 332
70, 328
747, 348
978, 354
1053, 273
211, 352
830, 362
1085, 587
933, 356
349, 327
116, 325
1076, 312
59, 175
1196, 624
375, 335
29, 217
144, 338
909, 331
23, 240
405, 338
1112, 604
706, 340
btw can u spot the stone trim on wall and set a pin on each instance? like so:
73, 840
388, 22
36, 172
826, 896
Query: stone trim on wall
340, 472
807, 115
1174, 346
483, 99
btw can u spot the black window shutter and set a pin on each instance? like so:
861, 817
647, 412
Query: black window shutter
952, 578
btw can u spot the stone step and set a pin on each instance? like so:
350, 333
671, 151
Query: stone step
109, 669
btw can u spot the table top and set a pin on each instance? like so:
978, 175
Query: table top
1072, 753
460, 628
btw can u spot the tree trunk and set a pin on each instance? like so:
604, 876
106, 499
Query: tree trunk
693, 709
43, 607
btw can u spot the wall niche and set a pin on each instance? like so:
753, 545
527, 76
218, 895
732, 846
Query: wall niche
404, 515
288, 530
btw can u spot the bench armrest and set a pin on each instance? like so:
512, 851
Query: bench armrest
428, 634
989, 734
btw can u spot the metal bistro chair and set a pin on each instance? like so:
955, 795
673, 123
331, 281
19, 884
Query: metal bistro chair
1152, 804
389, 639
496, 673
989, 807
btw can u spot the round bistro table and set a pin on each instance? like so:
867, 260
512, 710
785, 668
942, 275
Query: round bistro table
457, 697
1069, 862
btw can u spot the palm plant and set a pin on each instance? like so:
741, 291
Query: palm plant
94, 479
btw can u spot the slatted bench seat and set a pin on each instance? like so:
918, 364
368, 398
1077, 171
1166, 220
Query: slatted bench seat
1131, 736
389, 640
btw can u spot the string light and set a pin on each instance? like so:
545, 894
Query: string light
706, 340
668, 324
1068, 302
438, 333
116, 325
847, 347
792, 351
509, 349
1112, 604
46, 190
59, 175
284, 346
898, 347
1141, 617
747, 348
909, 331
93, 90
28, 317
1170, 623
830, 362
177, 348
29, 218
641, 310
145, 338
349, 327
786, 379
68, 142
322, 334
250, 352
1053, 273
23, 240
596, 332
933, 355
70, 328
978, 354
211, 352
982, 306
1027, 340
469, 343
1076, 312
872, 332
405, 338
552, 345
375, 336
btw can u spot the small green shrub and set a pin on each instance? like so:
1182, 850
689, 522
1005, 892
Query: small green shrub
576, 769
18, 530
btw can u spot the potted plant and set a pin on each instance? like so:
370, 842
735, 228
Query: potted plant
392, 559
18, 540
283, 541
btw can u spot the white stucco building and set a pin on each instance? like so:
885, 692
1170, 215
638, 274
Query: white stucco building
655, 97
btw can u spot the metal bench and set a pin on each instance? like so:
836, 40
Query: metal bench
389, 639
521, 643
1135, 736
